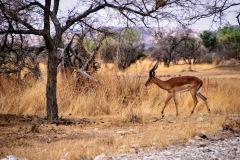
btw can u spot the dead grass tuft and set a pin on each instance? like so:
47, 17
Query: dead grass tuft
232, 123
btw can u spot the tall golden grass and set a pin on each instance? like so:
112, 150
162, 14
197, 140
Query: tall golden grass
121, 93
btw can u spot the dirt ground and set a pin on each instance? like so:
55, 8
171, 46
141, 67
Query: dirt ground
34, 138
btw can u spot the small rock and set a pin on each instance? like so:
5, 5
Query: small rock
213, 138
132, 150
214, 157
200, 119
168, 152
237, 135
202, 135
11, 157
102, 157
191, 141
120, 132
203, 144
207, 150
197, 138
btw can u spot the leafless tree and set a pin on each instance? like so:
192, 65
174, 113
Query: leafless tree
19, 18
167, 44
173, 45
16, 55
79, 58
188, 48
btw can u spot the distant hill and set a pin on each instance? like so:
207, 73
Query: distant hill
146, 34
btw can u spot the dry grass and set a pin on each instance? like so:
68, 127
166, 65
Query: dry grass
111, 136
122, 92
121, 112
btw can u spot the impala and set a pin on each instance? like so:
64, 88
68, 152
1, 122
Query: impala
178, 85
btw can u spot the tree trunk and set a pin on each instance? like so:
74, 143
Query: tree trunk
169, 59
51, 90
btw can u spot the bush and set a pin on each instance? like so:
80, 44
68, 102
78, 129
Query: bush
206, 58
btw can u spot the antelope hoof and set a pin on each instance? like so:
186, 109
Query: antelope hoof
162, 116
209, 111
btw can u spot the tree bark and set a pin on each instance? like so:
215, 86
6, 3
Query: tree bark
52, 107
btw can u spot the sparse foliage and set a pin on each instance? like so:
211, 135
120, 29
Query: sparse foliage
175, 45
123, 49
209, 39
188, 50
167, 43
224, 43
228, 40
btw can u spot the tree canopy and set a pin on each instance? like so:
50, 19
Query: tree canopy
228, 40
209, 39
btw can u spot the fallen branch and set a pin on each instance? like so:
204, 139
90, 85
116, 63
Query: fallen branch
84, 73
9, 70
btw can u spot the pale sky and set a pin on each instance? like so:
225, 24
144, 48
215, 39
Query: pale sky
203, 24
206, 23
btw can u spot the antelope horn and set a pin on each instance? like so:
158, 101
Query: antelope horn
154, 68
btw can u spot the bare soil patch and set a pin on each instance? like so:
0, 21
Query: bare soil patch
34, 138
